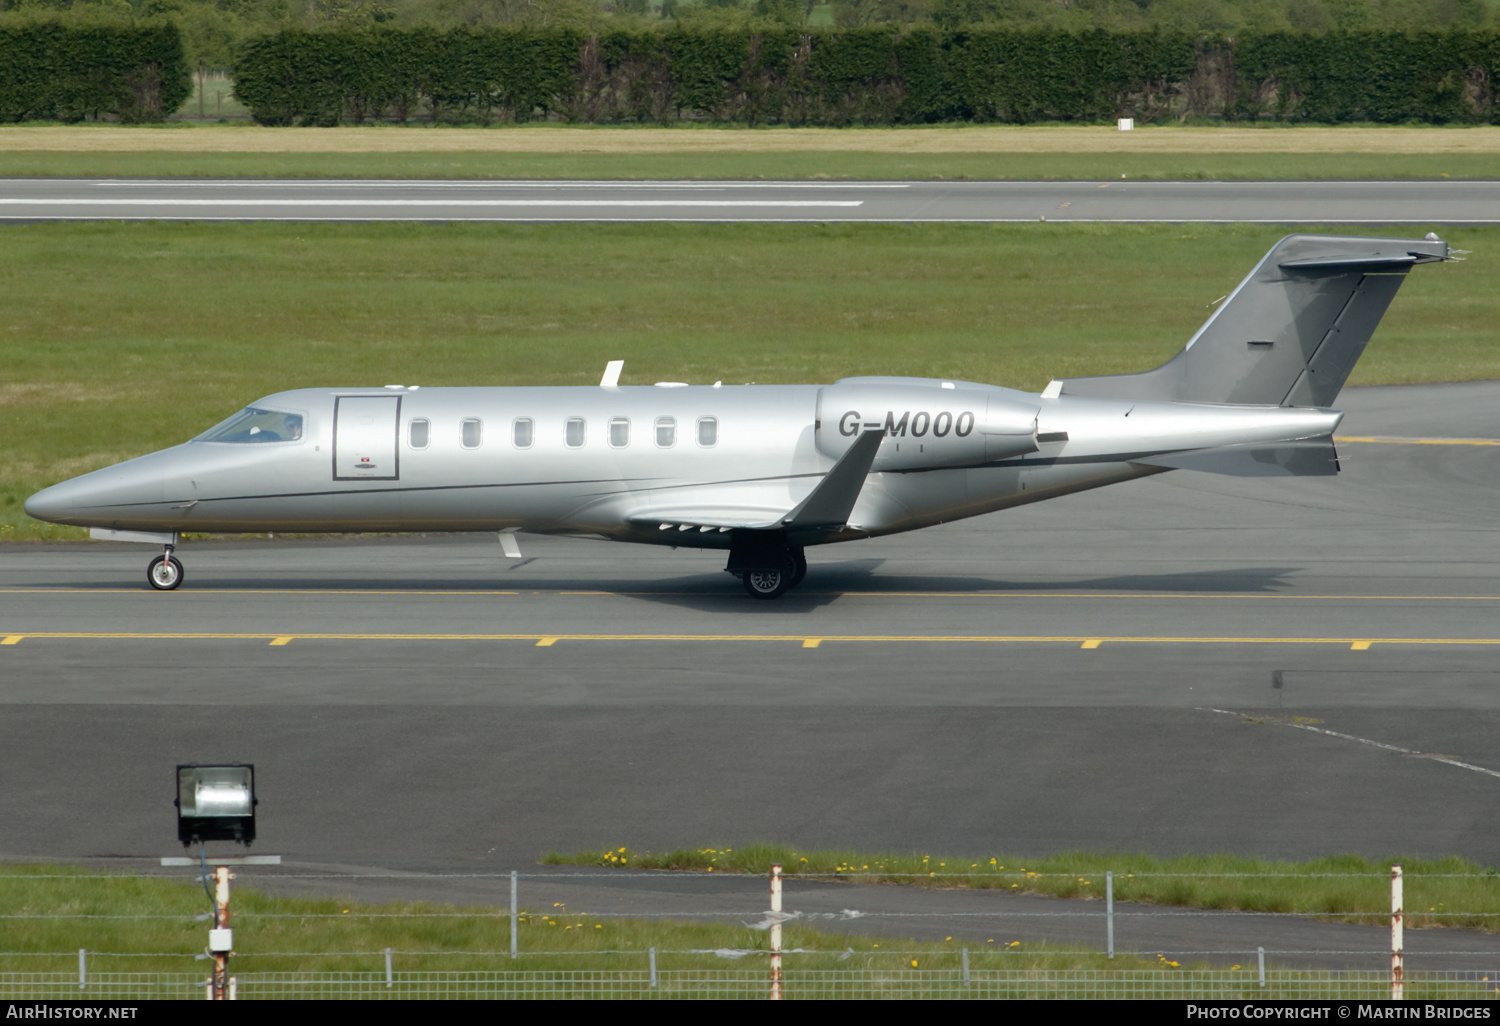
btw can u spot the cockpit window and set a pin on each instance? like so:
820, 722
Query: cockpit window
256, 425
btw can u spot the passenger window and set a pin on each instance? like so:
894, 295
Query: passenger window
666, 432
708, 431
575, 432
525, 430
473, 433
419, 434
619, 432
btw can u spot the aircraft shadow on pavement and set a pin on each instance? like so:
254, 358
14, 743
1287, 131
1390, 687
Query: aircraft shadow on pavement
1209, 582
825, 584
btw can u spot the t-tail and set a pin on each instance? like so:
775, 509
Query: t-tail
1290, 333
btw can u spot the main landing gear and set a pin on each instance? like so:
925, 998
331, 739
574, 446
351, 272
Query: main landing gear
164, 572
767, 567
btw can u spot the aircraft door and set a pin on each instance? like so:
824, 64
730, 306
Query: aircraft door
365, 432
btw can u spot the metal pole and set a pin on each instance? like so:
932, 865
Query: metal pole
221, 920
1109, 910
653, 967
83, 960
389, 981
966, 967
1260, 956
776, 931
1398, 968
514, 917
200, 88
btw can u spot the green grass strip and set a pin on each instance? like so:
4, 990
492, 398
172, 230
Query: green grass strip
1347, 888
145, 924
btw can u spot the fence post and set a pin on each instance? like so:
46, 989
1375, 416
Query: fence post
653, 967
1109, 910
83, 966
966, 967
514, 918
776, 931
1260, 956
219, 937
389, 981
1397, 958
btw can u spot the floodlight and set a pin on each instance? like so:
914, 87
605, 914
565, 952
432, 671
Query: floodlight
216, 803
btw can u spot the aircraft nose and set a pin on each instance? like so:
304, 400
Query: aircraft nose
53, 504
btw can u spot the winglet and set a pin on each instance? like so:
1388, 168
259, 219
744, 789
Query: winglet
612, 371
833, 499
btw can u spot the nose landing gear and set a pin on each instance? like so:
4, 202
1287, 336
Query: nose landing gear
164, 572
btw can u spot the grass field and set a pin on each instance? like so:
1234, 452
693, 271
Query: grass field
214, 96
1439, 892
124, 338
142, 924
558, 151
149, 925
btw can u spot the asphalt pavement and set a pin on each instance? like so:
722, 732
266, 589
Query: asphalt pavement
1457, 202
1186, 663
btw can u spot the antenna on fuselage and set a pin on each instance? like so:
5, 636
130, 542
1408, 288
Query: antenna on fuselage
612, 371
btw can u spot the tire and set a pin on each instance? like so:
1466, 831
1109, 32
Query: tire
164, 573
799, 567
769, 584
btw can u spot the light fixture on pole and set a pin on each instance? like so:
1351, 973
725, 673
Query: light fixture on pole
215, 803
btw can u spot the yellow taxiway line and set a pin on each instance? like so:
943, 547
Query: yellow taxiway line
1398, 440
549, 640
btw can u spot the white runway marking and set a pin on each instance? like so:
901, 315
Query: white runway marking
477, 183
422, 203
1376, 744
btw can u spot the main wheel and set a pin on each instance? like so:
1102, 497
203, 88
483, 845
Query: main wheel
769, 584
164, 573
799, 567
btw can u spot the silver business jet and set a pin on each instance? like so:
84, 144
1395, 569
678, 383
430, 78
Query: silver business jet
765, 471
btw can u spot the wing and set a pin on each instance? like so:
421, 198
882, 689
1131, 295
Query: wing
827, 507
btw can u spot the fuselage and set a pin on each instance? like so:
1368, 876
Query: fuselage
598, 460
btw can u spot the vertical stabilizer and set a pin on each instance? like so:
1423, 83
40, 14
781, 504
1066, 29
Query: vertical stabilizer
1290, 333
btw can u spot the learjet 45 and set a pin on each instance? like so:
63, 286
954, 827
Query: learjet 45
763, 471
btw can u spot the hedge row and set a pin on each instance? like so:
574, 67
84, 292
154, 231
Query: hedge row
1367, 76
869, 76
50, 72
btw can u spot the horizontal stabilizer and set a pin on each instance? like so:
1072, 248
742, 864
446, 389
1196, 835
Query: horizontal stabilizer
1313, 457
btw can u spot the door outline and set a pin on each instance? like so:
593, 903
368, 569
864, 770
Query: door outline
395, 441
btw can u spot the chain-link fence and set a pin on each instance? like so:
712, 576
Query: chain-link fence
1222, 985
668, 935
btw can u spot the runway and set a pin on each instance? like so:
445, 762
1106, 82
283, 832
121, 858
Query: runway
1187, 663
1468, 202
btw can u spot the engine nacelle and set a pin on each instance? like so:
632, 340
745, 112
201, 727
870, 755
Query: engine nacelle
928, 423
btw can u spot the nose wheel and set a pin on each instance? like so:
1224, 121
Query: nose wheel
164, 572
